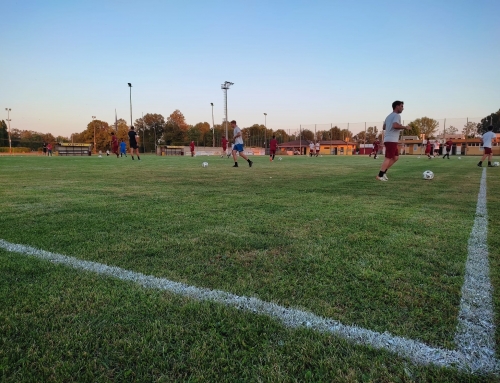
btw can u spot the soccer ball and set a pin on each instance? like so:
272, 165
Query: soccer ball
496, 163
428, 175
279, 159
418, 157
459, 158
205, 164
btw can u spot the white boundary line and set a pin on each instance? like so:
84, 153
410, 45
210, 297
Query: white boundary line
475, 333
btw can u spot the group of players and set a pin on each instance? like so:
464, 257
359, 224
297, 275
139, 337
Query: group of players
392, 127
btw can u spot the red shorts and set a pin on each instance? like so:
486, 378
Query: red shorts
487, 150
391, 149
272, 152
428, 151
224, 148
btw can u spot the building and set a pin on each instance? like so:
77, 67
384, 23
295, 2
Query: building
335, 147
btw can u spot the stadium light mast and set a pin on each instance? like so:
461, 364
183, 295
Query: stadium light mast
8, 120
225, 87
265, 132
130, 86
213, 126
93, 118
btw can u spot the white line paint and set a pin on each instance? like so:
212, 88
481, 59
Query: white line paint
475, 336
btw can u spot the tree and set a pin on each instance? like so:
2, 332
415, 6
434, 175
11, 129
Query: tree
4, 134
452, 130
414, 131
178, 118
307, 135
174, 135
426, 125
492, 119
281, 136
371, 134
470, 129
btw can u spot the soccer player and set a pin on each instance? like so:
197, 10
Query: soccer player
114, 144
486, 141
132, 135
224, 147
273, 145
448, 144
392, 126
436, 148
376, 145
318, 146
49, 149
311, 148
428, 149
191, 148
44, 148
238, 145
123, 148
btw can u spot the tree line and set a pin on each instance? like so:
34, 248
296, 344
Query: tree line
154, 130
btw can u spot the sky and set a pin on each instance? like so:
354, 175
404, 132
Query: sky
301, 62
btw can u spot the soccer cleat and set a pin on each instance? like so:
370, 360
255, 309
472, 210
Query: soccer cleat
250, 163
235, 165
480, 165
385, 177
490, 166
381, 178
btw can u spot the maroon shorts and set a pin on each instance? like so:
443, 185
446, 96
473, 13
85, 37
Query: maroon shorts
487, 150
224, 148
391, 149
272, 152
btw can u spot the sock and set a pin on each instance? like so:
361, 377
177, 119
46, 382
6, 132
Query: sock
138, 157
489, 163
236, 163
385, 171
249, 160
132, 157
380, 174
480, 163
273, 156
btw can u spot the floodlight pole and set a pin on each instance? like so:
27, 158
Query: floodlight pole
225, 87
213, 126
8, 120
93, 118
130, 86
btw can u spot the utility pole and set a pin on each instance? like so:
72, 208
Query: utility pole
8, 120
265, 132
225, 87
93, 118
213, 126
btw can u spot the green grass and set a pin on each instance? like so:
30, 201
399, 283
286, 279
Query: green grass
319, 234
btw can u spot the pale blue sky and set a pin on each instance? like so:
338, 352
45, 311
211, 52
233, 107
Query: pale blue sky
301, 62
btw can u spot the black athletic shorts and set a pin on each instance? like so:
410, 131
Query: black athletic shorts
133, 145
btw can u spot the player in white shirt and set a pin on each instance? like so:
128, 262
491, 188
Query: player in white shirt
311, 148
238, 145
488, 138
392, 126
318, 146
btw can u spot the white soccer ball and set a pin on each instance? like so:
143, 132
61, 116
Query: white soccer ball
428, 175
459, 158
279, 159
205, 164
496, 163
418, 157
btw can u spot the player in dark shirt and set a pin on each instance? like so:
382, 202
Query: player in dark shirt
132, 135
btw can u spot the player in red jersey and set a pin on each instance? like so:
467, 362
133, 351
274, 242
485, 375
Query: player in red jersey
448, 144
273, 146
224, 147
114, 144
428, 149
376, 145
191, 147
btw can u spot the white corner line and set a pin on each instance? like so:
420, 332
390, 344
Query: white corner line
475, 335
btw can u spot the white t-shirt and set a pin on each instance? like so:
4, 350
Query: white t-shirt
311, 145
317, 145
488, 138
237, 140
436, 145
391, 134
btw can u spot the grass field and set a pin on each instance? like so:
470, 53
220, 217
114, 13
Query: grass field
318, 234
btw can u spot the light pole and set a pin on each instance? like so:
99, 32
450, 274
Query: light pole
130, 86
225, 87
265, 132
213, 126
93, 118
8, 120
